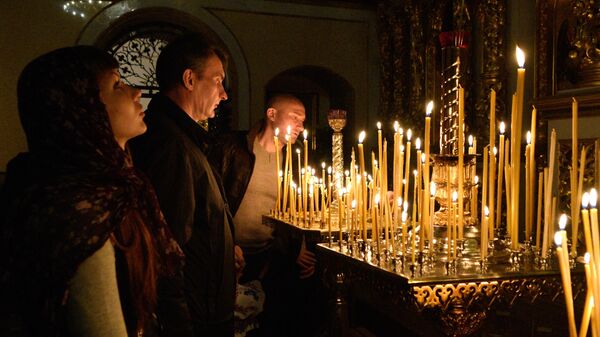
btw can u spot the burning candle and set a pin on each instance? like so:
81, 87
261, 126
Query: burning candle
363, 204
566, 279
502, 129
484, 233
407, 170
427, 214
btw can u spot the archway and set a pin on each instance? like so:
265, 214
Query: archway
128, 19
320, 89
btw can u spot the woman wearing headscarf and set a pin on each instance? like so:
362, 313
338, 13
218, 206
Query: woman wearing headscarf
84, 246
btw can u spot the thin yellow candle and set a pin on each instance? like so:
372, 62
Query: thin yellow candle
375, 222
461, 159
516, 149
470, 141
363, 204
502, 129
407, 170
426, 200
484, 186
287, 168
455, 224
492, 118
432, 190
566, 279
474, 196
379, 146
450, 214
414, 204
312, 208
589, 299
401, 163
384, 198
279, 182
595, 232
404, 229
528, 210
532, 164
277, 170
414, 225
539, 210
492, 187
575, 219
396, 179
340, 214
548, 193
484, 233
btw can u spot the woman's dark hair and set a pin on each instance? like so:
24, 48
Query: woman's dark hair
69, 132
189, 51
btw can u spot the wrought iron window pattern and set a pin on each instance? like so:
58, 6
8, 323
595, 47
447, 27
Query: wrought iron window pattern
137, 59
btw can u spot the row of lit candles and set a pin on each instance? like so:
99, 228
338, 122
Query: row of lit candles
591, 312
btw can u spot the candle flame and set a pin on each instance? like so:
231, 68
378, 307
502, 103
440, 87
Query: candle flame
299, 190
585, 200
558, 239
520, 57
415, 172
586, 258
454, 196
418, 143
429, 109
401, 148
289, 130
287, 137
401, 131
593, 197
405, 206
423, 158
409, 134
328, 169
302, 170
432, 188
399, 202
502, 128
361, 137
377, 197
353, 203
280, 173
495, 151
528, 137
396, 126
298, 151
293, 184
276, 132
404, 216
346, 173
476, 180
486, 211
378, 125
562, 222
470, 140
323, 165
305, 134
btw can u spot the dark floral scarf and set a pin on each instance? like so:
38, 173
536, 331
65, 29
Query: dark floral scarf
64, 198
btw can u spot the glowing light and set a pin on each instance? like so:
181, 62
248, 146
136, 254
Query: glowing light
520, 57
502, 128
429, 109
585, 200
361, 137
558, 239
409, 134
562, 222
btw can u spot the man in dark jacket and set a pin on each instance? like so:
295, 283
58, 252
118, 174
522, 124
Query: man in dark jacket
246, 161
190, 73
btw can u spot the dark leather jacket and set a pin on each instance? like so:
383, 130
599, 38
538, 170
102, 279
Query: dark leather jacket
190, 192
233, 157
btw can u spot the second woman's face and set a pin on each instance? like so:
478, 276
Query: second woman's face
122, 103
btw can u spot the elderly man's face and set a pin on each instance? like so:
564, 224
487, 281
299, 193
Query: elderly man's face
208, 89
292, 114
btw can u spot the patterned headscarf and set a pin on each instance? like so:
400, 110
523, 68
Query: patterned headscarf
76, 185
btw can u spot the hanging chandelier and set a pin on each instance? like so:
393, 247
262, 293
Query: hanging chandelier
84, 8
